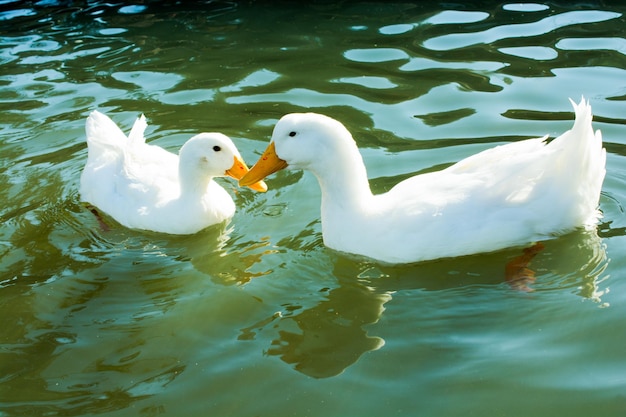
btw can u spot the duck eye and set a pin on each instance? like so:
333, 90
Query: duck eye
217, 148
292, 134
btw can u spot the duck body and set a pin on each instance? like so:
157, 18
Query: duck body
506, 196
143, 186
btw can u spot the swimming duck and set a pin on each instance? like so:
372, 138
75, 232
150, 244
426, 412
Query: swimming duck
507, 196
145, 187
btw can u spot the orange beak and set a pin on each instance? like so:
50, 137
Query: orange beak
239, 169
267, 164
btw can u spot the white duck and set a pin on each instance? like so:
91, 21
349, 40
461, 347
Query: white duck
145, 187
507, 196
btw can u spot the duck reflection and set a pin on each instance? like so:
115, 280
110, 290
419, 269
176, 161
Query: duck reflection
57, 308
324, 340
228, 259
216, 251
90, 307
577, 262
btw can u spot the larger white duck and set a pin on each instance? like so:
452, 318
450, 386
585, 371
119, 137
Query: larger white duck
144, 186
507, 196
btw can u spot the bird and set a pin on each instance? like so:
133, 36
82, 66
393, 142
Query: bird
511, 195
144, 186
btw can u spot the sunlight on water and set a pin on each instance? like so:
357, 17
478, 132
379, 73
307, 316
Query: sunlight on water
256, 316
522, 30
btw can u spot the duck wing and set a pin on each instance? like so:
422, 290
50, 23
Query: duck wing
122, 173
506, 196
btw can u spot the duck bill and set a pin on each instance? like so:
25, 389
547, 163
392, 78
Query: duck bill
267, 164
240, 169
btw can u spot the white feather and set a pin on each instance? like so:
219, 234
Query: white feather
510, 195
144, 186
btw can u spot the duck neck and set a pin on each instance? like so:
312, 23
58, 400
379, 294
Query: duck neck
344, 185
193, 182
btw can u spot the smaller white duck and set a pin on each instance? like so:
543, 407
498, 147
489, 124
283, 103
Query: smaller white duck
145, 187
507, 196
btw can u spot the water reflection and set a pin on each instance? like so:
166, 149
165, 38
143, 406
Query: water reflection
575, 261
67, 301
233, 261
516, 31
49, 343
323, 340
113, 321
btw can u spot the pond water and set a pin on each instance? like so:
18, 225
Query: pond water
256, 317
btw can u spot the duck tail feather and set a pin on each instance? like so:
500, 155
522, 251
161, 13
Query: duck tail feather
136, 133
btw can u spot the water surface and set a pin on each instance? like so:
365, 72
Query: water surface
257, 317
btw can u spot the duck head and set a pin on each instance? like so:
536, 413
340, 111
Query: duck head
303, 141
214, 155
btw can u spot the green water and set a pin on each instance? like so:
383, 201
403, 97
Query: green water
257, 317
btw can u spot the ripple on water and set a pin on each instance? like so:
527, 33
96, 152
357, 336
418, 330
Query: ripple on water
376, 55
590, 44
449, 17
133, 9
397, 29
525, 7
149, 80
377, 83
519, 31
538, 53
13, 14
